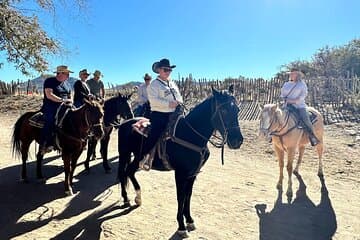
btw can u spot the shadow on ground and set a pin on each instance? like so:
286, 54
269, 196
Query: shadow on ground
299, 220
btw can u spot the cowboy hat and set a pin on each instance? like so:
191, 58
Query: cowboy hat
63, 69
97, 73
147, 76
295, 69
163, 63
84, 71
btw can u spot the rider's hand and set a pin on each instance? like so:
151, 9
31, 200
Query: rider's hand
173, 104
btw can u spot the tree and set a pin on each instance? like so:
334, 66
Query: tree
23, 41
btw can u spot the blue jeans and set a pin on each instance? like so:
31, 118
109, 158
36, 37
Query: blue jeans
47, 131
159, 122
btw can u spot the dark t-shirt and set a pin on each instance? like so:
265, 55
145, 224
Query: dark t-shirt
60, 89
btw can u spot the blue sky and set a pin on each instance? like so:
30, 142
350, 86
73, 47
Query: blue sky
210, 39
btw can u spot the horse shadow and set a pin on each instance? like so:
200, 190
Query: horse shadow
19, 199
90, 227
299, 220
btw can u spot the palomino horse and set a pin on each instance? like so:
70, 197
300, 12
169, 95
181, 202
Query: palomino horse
282, 126
117, 105
186, 149
71, 138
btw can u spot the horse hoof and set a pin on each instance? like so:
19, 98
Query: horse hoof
138, 200
190, 227
182, 234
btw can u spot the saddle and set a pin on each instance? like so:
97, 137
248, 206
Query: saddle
143, 126
292, 110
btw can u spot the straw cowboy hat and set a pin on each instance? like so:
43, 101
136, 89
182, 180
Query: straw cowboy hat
163, 63
84, 71
147, 76
97, 73
63, 69
295, 69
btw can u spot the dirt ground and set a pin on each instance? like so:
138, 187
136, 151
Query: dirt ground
236, 201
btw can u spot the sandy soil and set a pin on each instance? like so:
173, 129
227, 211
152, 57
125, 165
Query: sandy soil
235, 201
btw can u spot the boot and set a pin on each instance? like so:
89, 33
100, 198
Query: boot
313, 140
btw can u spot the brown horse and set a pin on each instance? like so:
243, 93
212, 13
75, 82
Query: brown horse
282, 126
71, 138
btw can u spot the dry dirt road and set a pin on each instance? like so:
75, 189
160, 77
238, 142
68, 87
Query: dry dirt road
235, 201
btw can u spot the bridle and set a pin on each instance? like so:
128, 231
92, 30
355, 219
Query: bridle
223, 138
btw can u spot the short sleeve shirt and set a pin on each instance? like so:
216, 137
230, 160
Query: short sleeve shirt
60, 89
95, 86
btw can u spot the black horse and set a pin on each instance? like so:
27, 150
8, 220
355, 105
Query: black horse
71, 138
187, 149
117, 105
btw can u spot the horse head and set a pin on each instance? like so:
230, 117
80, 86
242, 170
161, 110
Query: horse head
225, 117
94, 114
123, 107
269, 119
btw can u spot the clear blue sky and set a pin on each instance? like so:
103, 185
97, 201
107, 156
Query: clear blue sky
208, 38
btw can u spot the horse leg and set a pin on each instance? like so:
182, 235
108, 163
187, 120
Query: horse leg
67, 168
130, 171
39, 159
301, 154
89, 153
320, 149
190, 226
289, 167
24, 157
104, 143
74, 158
280, 155
124, 159
181, 183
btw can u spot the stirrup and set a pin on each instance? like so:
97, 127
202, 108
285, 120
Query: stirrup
314, 141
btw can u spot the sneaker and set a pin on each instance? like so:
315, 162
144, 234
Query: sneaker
144, 163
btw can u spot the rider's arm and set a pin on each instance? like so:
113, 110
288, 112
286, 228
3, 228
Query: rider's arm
51, 96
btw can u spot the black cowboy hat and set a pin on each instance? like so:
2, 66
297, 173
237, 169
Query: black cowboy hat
163, 63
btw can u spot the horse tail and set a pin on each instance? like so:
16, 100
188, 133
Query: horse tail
16, 140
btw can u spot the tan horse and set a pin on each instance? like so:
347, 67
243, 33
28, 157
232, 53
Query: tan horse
281, 126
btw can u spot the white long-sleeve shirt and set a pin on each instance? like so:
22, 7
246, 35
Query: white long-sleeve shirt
142, 95
160, 94
297, 93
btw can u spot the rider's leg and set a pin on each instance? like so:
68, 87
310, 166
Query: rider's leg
303, 114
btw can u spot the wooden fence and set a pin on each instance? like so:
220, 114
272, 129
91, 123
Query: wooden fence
337, 99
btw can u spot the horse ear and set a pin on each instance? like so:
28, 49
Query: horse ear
261, 106
231, 89
214, 91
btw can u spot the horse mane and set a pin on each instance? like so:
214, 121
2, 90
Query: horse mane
110, 107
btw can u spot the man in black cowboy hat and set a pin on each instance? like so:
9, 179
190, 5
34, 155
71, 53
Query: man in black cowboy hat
164, 96
81, 89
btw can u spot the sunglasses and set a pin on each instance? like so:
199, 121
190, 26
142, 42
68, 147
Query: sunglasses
167, 69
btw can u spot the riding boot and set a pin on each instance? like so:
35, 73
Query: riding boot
308, 126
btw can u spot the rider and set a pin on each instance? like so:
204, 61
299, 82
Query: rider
97, 86
164, 97
81, 89
56, 91
294, 92
142, 96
